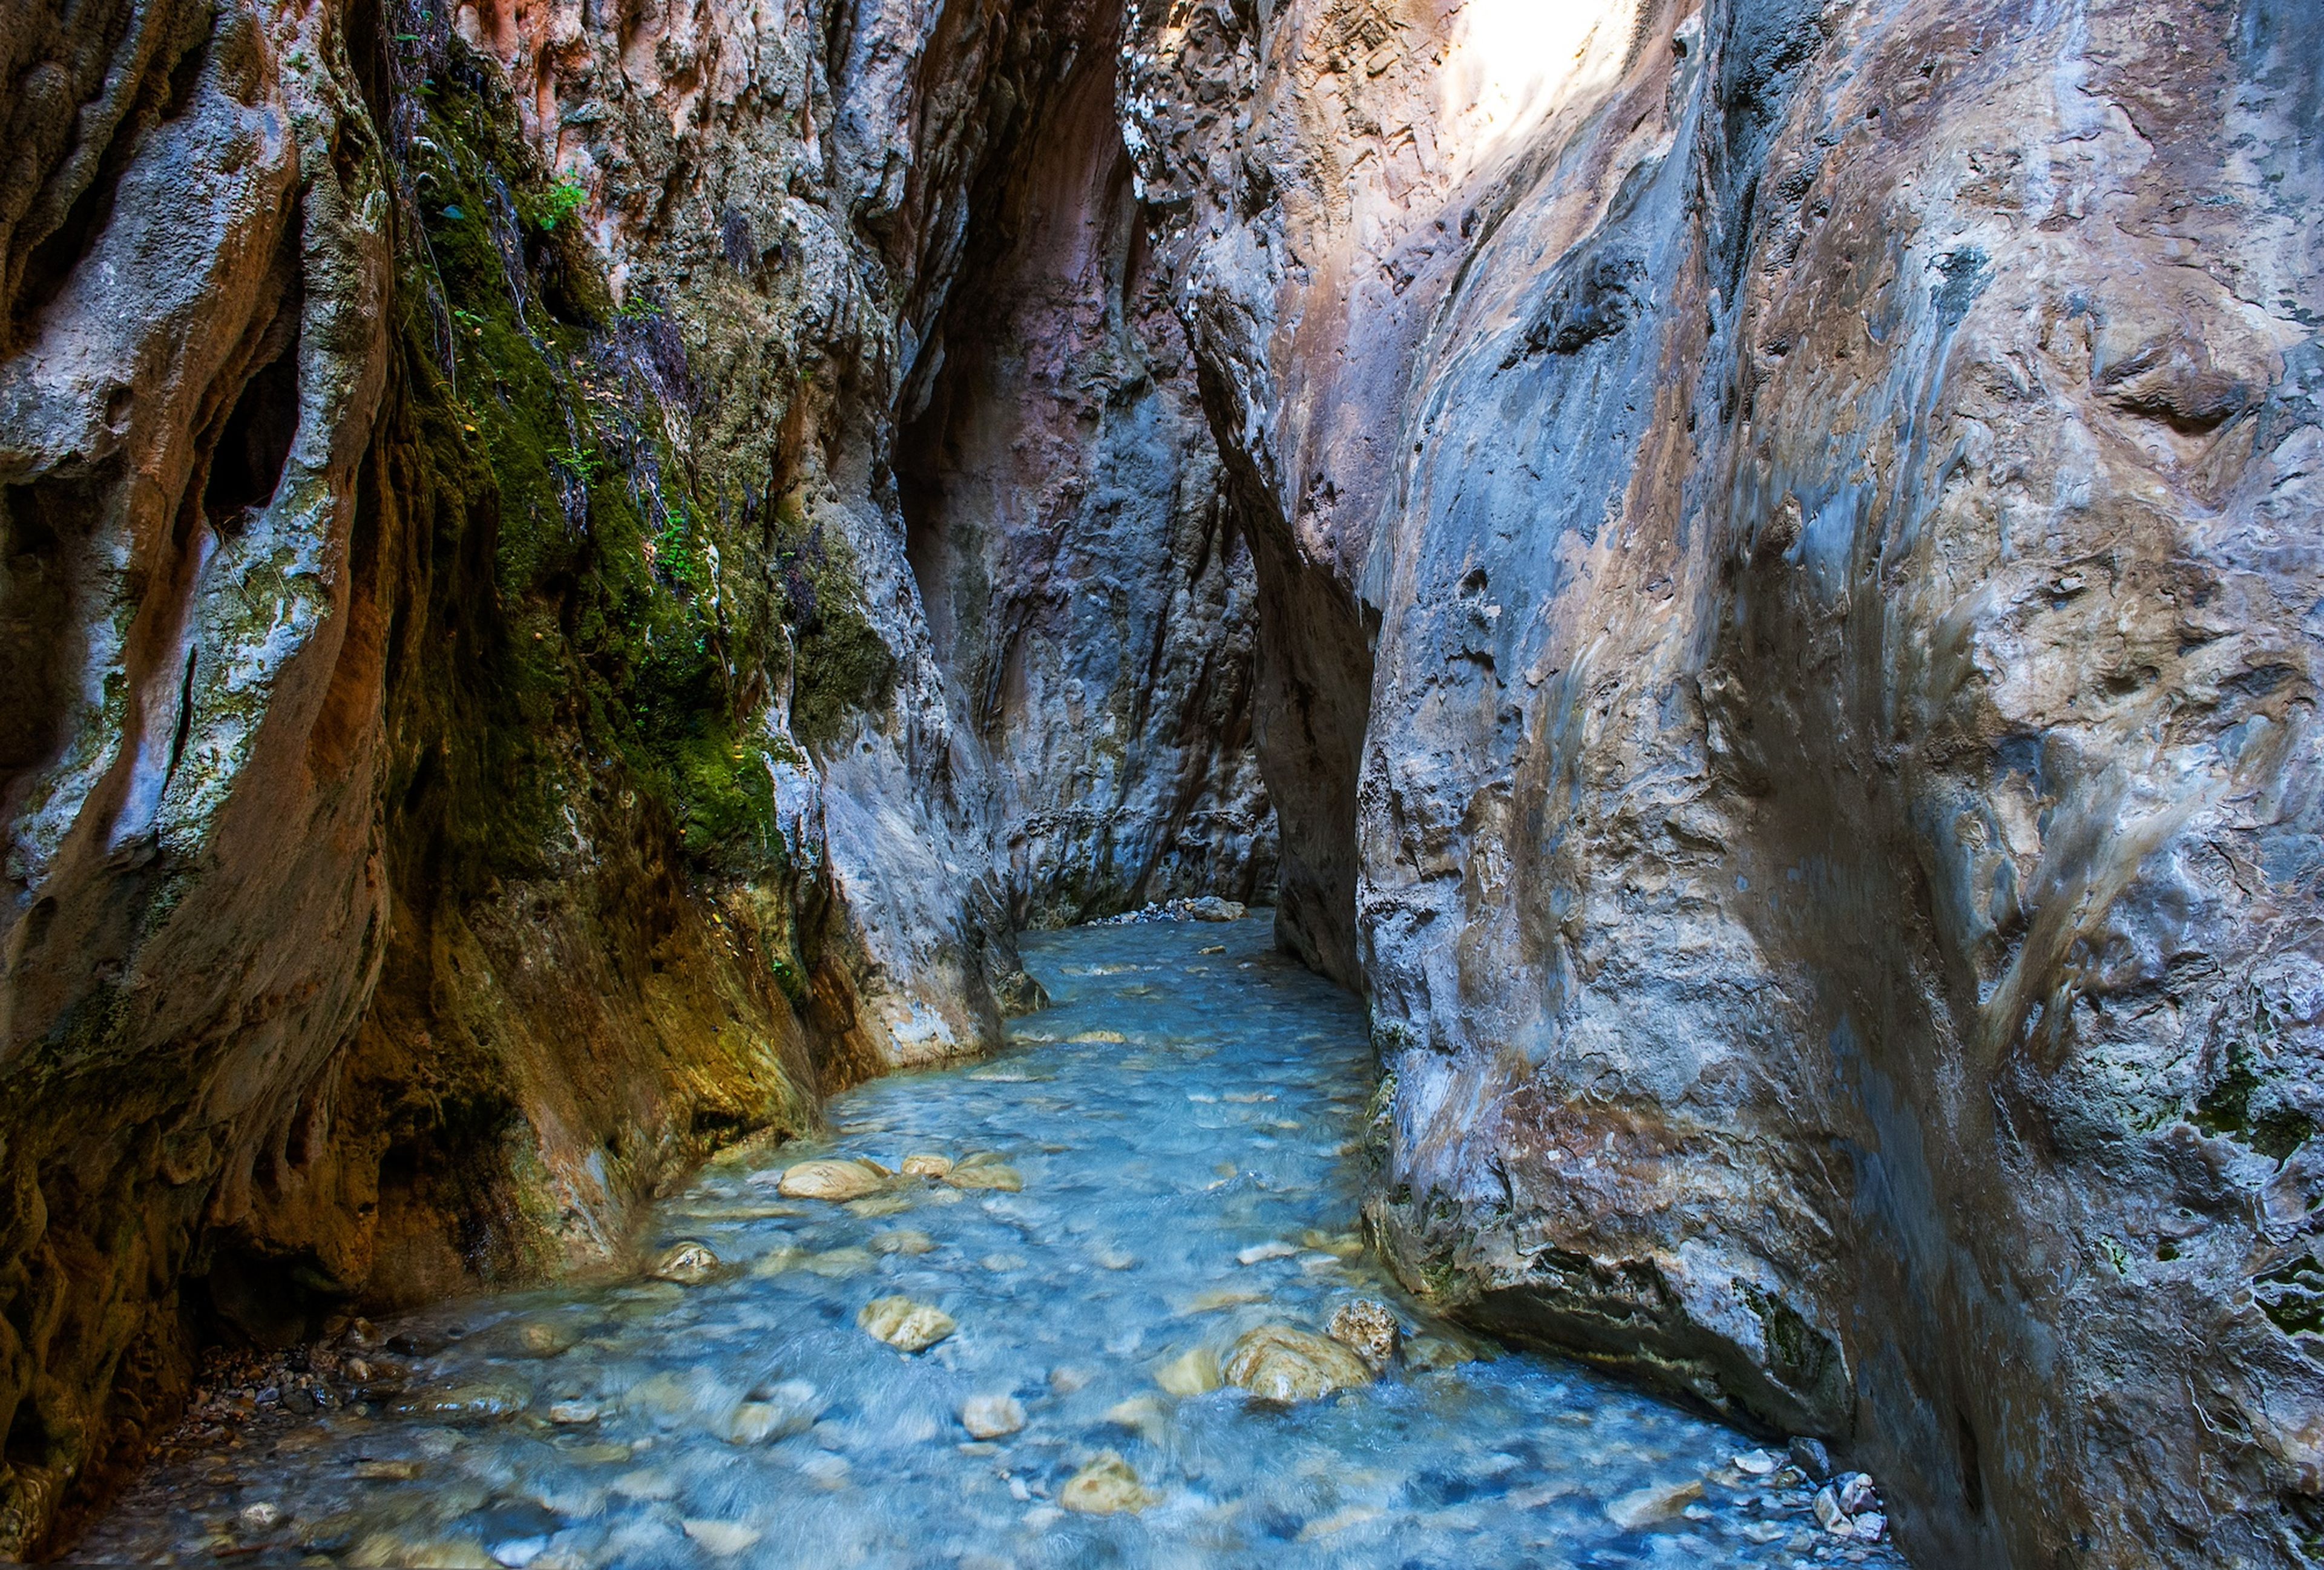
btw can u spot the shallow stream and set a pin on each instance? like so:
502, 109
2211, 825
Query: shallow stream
1170, 1160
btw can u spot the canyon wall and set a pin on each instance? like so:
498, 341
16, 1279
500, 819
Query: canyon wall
569, 573
472, 742
1828, 823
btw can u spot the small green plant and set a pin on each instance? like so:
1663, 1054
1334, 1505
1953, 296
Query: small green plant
558, 203
638, 307
582, 464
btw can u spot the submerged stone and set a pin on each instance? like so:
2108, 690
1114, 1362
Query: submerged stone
689, 1264
1368, 1328
830, 1179
1107, 1486
1284, 1363
905, 1325
467, 1400
1645, 1506
986, 1174
991, 1416
1190, 1373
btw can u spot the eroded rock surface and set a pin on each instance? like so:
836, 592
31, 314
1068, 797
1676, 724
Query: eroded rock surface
1747, 570
473, 745
1828, 824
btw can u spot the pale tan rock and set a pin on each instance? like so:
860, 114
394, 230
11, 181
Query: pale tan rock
991, 1174
926, 1166
904, 1240
1284, 1363
1145, 1415
543, 1338
905, 1325
1368, 1328
830, 1179
723, 1539
991, 1416
1106, 1486
1659, 1502
1193, 1372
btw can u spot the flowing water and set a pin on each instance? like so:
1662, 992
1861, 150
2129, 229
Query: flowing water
1187, 1128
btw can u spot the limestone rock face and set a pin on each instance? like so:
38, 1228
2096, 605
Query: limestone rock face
1787, 554
1747, 569
471, 743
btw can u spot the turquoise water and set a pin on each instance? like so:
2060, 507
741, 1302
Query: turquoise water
1175, 1114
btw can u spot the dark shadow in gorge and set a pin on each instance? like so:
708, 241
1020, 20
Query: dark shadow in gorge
1089, 600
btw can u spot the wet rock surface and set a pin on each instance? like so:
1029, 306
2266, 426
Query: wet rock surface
1074, 1413
1785, 552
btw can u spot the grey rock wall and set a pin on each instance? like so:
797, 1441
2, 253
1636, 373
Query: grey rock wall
471, 741
1825, 494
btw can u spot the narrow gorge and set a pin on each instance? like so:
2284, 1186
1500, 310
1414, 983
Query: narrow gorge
596, 594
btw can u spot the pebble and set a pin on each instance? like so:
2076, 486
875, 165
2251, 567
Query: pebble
467, 1400
724, 1539
830, 1179
1283, 1364
689, 1264
1259, 1253
543, 1338
1659, 1502
1107, 1486
904, 1240
573, 1414
263, 1517
1191, 1373
1431, 1352
1368, 1328
756, 1422
905, 1325
991, 1174
386, 1470
926, 1166
1144, 1414
991, 1416
1757, 1463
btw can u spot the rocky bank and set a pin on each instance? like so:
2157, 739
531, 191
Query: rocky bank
571, 573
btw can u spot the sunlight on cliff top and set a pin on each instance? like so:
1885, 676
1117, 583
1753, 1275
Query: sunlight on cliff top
1512, 63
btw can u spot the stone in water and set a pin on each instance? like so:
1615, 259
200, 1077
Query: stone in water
689, 1264
991, 1416
1282, 1363
1107, 1486
904, 1324
1646, 1506
1368, 1328
1192, 1373
827, 1179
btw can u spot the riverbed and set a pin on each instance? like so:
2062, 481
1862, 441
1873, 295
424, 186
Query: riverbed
1095, 1227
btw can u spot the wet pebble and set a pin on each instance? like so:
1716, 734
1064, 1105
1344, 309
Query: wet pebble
687, 1264
830, 1179
1107, 1486
991, 1416
1284, 1363
905, 1325
1368, 1328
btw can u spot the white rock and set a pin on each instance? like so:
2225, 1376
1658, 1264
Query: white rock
991, 1416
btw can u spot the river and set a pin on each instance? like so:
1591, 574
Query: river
1168, 1161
